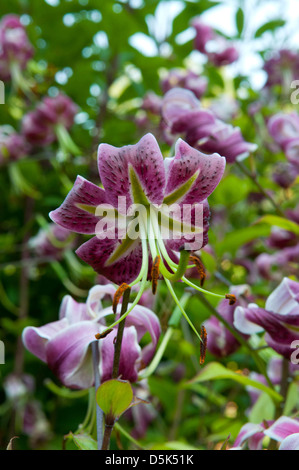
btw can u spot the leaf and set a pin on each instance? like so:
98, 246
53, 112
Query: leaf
83, 441
114, 397
291, 400
263, 409
237, 238
240, 21
270, 26
215, 371
274, 220
173, 445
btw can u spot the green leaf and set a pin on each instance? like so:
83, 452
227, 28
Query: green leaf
263, 409
291, 400
83, 441
215, 371
114, 397
233, 240
280, 222
240, 21
173, 445
270, 26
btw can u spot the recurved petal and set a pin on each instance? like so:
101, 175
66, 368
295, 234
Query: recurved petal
77, 212
36, 339
125, 268
69, 356
283, 428
285, 298
144, 320
146, 161
192, 175
72, 311
129, 356
290, 443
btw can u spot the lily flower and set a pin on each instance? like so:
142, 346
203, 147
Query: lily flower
64, 344
15, 50
284, 430
279, 318
136, 178
183, 114
50, 121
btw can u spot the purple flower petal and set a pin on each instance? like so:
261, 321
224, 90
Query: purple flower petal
69, 355
125, 269
36, 339
76, 213
187, 163
144, 158
130, 353
290, 443
282, 428
285, 298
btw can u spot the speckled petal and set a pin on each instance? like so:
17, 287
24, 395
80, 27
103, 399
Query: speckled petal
77, 211
144, 158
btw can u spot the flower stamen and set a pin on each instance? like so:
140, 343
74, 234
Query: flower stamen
203, 345
200, 268
118, 294
232, 298
155, 274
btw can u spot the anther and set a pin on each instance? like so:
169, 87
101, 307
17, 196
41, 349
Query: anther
203, 345
155, 274
103, 335
118, 294
200, 268
232, 298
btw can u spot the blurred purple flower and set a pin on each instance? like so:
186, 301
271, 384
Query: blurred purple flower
183, 114
282, 68
13, 146
64, 344
52, 241
217, 49
40, 125
279, 319
221, 342
15, 48
181, 78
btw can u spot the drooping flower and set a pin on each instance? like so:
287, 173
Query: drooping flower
221, 342
282, 68
217, 49
184, 79
15, 48
50, 121
279, 319
52, 241
64, 344
184, 115
13, 146
284, 128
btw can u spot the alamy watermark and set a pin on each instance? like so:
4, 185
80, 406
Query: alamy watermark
164, 222
2, 92
295, 354
2, 353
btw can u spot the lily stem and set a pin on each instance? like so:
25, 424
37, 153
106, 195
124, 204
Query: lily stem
99, 412
120, 332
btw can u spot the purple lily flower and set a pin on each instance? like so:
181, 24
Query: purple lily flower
284, 128
279, 318
183, 114
252, 434
53, 116
285, 174
286, 431
282, 68
52, 241
13, 146
216, 48
64, 344
15, 48
221, 342
180, 78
